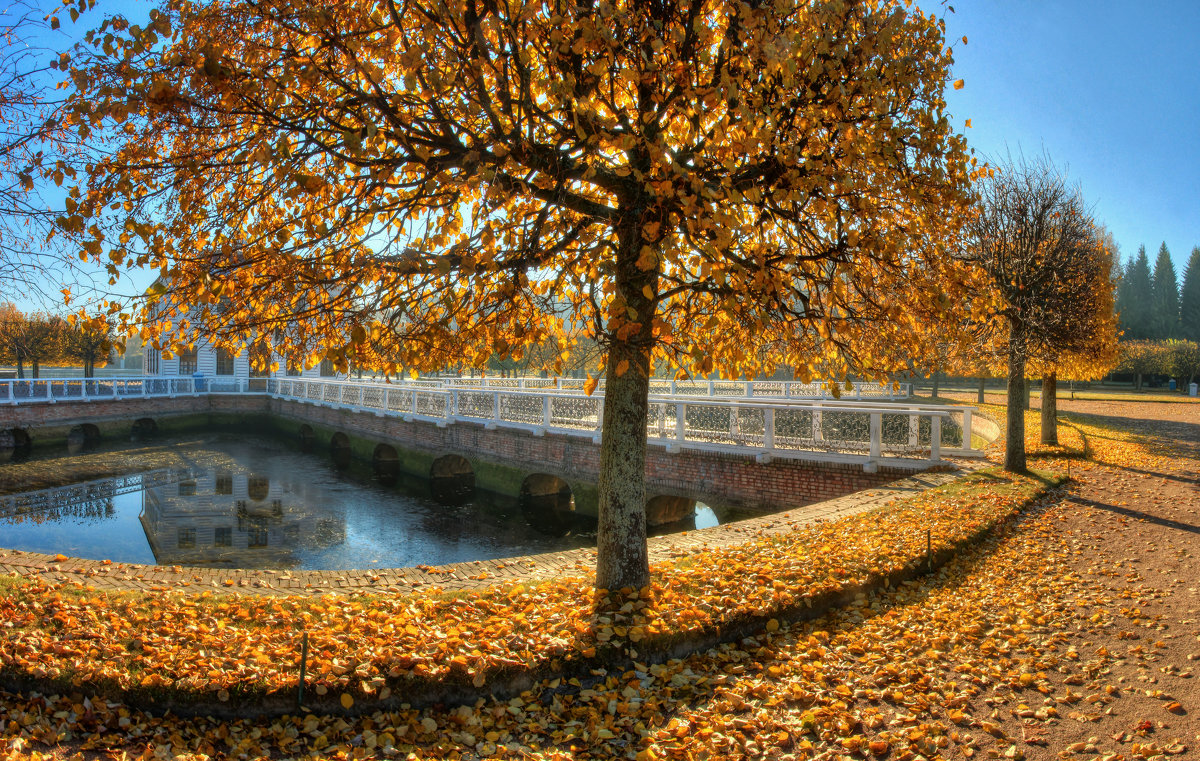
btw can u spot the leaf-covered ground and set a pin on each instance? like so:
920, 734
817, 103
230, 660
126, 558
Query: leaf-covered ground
1069, 631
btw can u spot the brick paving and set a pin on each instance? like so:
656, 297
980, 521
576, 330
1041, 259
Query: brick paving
103, 575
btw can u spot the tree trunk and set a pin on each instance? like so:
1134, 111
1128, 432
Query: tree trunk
34, 367
20, 366
1050, 409
1026, 393
622, 560
934, 392
1138, 384
1014, 438
979, 396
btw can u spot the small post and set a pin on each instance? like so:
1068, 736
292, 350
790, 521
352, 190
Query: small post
929, 550
303, 670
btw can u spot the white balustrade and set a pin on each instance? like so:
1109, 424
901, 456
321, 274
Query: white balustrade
770, 419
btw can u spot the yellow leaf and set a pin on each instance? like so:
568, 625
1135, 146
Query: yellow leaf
958, 84
347, 700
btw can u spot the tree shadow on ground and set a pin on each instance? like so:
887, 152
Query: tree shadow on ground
1136, 514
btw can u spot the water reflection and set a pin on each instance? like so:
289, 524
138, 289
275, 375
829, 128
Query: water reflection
255, 503
239, 519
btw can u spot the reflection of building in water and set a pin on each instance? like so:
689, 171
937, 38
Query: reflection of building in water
236, 519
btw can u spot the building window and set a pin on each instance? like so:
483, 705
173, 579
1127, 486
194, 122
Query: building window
258, 536
327, 368
260, 360
294, 368
151, 364
187, 538
224, 362
223, 536
224, 482
258, 487
187, 362
187, 489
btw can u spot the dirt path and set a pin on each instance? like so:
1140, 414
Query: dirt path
1132, 528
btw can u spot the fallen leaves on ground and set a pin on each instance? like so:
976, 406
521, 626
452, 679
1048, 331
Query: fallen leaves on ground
989, 656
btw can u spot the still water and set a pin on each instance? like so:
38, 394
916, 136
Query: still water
241, 503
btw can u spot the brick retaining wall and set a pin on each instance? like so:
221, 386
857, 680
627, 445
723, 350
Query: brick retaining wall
728, 478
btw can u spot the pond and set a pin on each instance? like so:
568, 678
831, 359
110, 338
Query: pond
239, 502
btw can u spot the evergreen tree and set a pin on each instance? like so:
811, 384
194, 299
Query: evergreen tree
1164, 312
1138, 297
1189, 299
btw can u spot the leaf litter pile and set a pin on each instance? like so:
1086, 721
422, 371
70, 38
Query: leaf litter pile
1009, 650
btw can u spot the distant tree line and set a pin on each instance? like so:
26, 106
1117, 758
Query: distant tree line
1152, 304
1174, 358
30, 341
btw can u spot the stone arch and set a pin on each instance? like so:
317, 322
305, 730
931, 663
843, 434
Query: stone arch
144, 427
547, 503
15, 444
82, 438
451, 480
339, 449
668, 508
306, 438
386, 462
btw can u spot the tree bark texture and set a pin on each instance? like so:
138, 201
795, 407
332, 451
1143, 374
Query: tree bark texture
1027, 392
1014, 437
934, 392
1050, 409
979, 397
622, 560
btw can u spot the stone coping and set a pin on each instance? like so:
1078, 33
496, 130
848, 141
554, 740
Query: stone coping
109, 576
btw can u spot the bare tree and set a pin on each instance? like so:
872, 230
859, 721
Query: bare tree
37, 154
1035, 239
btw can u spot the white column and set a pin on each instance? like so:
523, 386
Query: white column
967, 428
876, 435
935, 438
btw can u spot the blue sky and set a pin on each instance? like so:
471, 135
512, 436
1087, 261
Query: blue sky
1110, 90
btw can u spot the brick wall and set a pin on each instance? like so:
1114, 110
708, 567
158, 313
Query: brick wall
732, 479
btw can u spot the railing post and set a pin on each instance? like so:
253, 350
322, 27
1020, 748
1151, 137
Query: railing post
749, 388
733, 422
966, 427
673, 387
710, 388
935, 438
857, 390
387, 399
496, 406
769, 429
341, 391
681, 420
546, 411
817, 433
914, 427
876, 435
360, 397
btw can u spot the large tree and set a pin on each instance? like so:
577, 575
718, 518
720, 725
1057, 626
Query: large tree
1189, 299
444, 182
90, 342
1086, 347
1034, 237
35, 339
1164, 291
1136, 298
